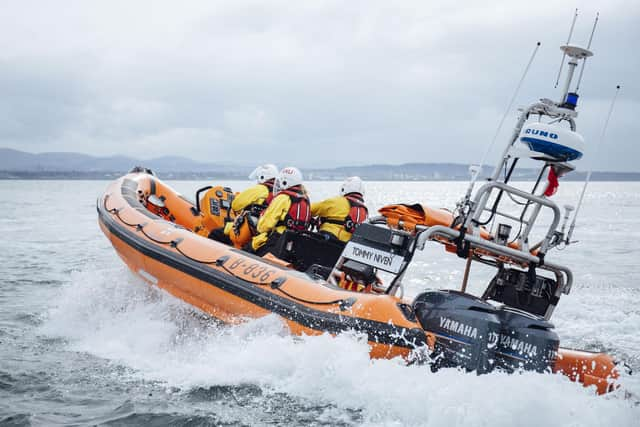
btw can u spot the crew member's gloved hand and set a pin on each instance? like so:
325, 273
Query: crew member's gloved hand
237, 223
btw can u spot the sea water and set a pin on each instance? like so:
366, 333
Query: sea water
83, 341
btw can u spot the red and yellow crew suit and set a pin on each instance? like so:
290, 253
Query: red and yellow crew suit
289, 210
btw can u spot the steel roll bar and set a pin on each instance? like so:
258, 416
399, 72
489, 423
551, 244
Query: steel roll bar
482, 196
563, 273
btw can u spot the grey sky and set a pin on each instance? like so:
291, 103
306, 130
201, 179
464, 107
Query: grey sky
312, 82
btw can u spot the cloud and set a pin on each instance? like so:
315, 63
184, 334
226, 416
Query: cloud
301, 82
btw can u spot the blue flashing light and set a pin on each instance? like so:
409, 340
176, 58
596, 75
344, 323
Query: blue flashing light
572, 100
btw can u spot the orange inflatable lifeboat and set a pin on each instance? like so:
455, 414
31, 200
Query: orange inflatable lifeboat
161, 236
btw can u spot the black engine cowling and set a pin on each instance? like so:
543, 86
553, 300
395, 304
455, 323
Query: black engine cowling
475, 335
526, 341
466, 329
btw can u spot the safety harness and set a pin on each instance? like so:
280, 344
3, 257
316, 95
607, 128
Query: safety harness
299, 215
358, 213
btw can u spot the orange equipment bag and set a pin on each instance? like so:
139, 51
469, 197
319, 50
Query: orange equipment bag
407, 217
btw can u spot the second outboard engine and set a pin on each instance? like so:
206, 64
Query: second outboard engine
526, 341
466, 329
475, 335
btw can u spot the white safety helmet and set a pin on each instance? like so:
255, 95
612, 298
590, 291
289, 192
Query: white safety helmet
264, 173
287, 178
353, 184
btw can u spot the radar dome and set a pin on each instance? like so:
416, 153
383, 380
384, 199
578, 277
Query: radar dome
560, 143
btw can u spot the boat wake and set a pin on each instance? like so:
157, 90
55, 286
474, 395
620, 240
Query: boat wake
113, 315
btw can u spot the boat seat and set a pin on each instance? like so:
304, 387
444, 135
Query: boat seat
319, 272
306, 249
360, 272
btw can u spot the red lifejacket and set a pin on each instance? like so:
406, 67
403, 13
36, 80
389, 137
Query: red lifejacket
269, 185
358, 213
299, 216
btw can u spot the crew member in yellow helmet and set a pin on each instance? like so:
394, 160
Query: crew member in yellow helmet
254, 200
289, 210
339, 216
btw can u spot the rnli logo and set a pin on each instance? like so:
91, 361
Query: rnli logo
288, 171
539, 132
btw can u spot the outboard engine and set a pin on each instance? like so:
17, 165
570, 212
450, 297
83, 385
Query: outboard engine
475, 335
526, 341
466, 329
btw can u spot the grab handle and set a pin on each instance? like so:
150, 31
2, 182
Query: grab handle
198, 196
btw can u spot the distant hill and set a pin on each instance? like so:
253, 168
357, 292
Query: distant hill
16, 164
404, 172
20, 164
446, 172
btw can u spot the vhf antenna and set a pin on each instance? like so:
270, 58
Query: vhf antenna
586, 183
564, 55
575, 54
476, 170
593, 30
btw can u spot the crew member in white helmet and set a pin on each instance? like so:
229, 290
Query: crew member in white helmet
254, 199
289, 210
339, 216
